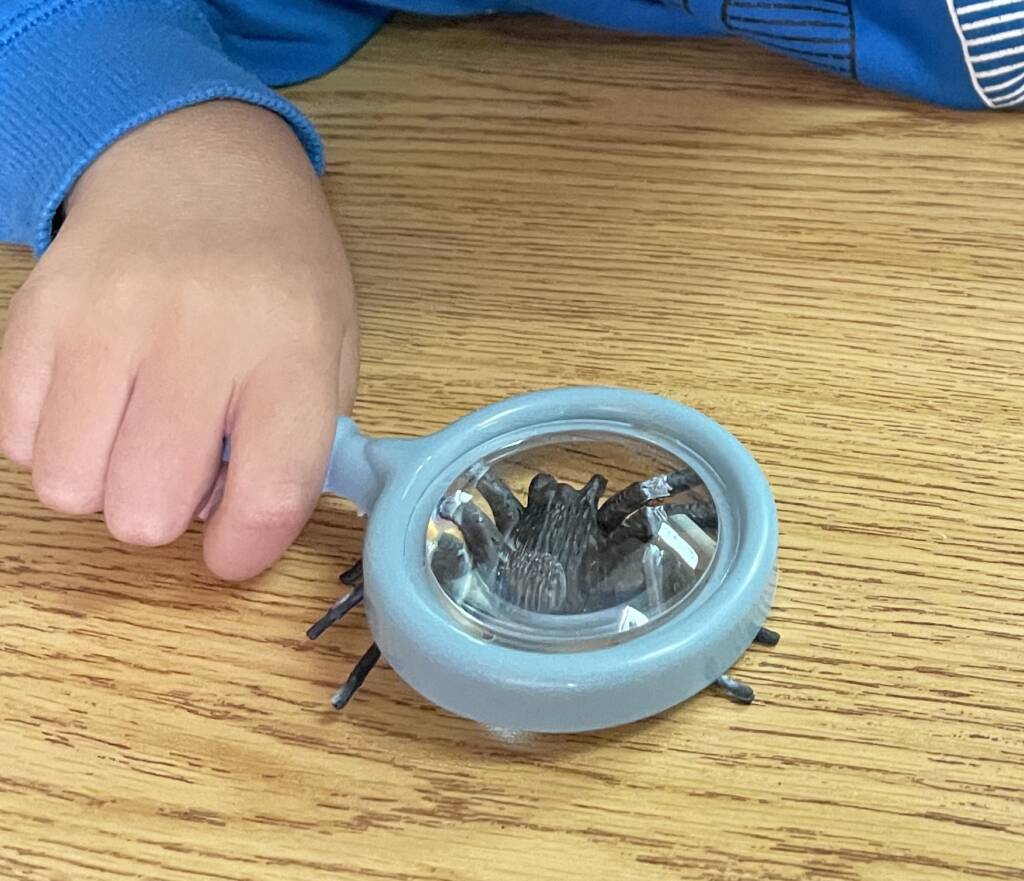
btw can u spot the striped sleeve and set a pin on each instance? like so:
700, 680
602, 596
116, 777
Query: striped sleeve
821, 32
991, 36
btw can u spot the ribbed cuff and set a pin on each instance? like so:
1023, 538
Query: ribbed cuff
75, 75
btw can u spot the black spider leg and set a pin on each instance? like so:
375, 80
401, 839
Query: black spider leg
738, 691
353, 575
635, 496
701, 513
643, 527
354, 578
646, 524
483, 540
449, 561
356, 678
505, 505
338, 610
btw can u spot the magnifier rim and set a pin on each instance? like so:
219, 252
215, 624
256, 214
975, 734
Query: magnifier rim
512, 688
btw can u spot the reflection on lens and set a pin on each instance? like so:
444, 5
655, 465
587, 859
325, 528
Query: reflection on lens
571, 541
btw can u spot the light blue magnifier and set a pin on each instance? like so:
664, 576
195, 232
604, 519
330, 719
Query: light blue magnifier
562, 561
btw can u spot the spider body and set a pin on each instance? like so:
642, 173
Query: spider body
564, 552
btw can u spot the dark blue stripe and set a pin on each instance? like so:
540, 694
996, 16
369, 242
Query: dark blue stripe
820, 32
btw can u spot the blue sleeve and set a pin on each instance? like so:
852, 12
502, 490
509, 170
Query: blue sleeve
75, 75
957, 53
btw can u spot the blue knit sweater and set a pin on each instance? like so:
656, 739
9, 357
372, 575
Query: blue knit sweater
77, 74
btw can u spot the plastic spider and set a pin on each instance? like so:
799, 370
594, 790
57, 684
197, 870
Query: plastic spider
560, 553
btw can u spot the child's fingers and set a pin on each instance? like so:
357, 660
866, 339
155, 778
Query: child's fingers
166, 455
280, 444
79, 421
25, 364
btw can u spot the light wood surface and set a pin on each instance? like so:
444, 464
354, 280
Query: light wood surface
833, 274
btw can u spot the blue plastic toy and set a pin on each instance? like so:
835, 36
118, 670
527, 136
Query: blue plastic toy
562, 561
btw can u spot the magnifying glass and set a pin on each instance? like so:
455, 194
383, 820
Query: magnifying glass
562, 561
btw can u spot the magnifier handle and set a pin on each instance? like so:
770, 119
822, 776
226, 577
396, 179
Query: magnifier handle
350, 473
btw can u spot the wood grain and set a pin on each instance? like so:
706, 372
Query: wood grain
833, 274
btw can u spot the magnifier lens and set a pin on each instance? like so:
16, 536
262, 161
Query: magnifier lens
572, 541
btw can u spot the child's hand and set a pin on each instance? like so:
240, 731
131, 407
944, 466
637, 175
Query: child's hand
197, 289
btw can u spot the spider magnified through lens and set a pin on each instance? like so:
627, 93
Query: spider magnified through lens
565, 543
571, 542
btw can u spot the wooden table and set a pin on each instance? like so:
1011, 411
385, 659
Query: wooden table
833, 274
